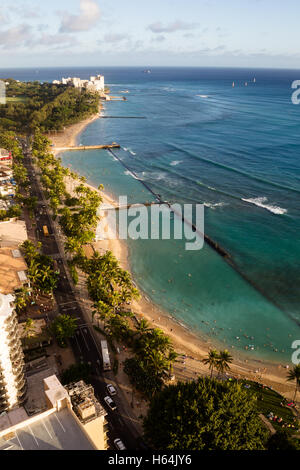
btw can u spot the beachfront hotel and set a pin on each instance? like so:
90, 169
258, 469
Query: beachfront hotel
12, 378
95, 84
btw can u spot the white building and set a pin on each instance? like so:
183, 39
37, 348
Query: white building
72, 420
95, 84
12, 379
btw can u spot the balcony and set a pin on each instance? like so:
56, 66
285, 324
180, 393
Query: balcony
18, 375
20, 367
21, 386
12, 334
9, 321
3, 394
15, 350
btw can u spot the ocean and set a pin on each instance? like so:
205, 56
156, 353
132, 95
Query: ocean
234, 149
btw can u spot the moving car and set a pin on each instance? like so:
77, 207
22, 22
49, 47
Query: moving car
119, 444
109, 401
111, 390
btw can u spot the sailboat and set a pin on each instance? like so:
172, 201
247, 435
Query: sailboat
233, 84
246, 83
254, 80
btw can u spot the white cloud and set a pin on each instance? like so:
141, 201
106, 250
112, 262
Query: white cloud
115, 37
88, 17
15, 36
177, 25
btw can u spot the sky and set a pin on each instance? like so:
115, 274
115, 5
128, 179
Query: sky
233, 33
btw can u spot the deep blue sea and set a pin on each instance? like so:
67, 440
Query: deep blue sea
235, 149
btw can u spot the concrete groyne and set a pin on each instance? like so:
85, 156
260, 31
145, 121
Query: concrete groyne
114, 145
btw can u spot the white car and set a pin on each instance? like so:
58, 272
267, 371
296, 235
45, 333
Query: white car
119, 444
109, 401
111, 390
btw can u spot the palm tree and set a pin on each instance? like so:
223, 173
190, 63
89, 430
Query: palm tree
211, 360
223, 361
172, 355
294, 374
21, 299
158, 363
144, 326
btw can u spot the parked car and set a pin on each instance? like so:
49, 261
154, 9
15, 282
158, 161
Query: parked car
109, 401
111, 390
119, 444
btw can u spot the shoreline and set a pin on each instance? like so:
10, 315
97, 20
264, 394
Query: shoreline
185, 342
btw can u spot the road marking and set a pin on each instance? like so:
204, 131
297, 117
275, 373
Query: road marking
95, 344
85, 342
77, 342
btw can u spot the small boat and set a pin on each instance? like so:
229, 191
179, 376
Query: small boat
246, 83
147, 71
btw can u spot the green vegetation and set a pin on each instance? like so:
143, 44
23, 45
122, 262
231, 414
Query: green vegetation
32, 339
44, 105
10, 213
40, 269
75, 373
269, 401
294, 375
110, 287
108, 284
63, 327
218, 360
204, 415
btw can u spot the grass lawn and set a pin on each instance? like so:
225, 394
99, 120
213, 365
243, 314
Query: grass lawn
270, 401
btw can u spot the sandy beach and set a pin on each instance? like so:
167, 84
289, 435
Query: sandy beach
185, 342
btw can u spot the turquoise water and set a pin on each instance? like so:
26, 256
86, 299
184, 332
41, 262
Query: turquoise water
236, 151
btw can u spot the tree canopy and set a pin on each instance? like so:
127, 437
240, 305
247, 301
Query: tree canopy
204, 415
63, 327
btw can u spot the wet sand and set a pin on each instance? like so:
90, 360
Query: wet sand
185, 342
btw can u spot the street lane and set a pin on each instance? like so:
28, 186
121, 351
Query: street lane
83, 343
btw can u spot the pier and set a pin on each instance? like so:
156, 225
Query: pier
114, 145
123, 117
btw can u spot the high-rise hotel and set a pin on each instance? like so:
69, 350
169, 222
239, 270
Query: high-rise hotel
12, 377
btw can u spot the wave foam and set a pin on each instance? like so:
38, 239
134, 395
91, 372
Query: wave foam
129, 173
260, 202
210, 205
175, 162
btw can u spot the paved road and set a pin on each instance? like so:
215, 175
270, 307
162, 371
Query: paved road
83, 343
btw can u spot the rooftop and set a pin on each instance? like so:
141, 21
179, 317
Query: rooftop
12, 271
85, 404
58, 431
12, 233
